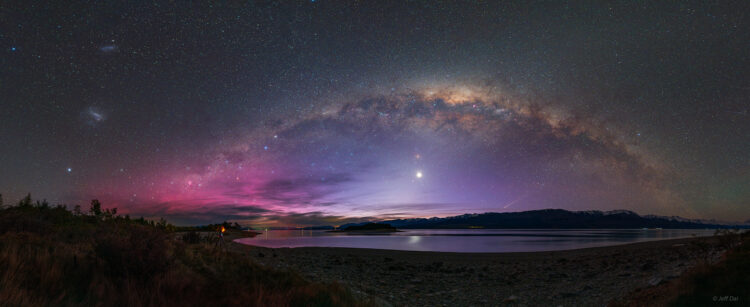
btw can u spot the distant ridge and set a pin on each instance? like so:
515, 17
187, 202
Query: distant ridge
552, 218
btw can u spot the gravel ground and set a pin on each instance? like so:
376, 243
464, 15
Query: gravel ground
584, 277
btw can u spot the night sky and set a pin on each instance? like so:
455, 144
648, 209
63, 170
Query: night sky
323, 112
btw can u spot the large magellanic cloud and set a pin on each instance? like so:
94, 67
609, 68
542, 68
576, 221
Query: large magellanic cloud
304, 113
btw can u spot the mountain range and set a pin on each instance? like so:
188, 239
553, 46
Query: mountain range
552, 218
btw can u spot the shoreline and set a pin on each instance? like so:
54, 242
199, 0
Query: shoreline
688, 239
587, 276
512, 249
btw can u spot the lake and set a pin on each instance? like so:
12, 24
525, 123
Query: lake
470, 240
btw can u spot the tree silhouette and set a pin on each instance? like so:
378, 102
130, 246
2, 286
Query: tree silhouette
42, 204
26, 201
96, 207
1, 200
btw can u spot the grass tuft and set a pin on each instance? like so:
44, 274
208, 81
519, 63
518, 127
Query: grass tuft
51, 256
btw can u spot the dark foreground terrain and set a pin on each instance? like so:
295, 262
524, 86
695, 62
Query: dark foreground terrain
50, 256
585, 277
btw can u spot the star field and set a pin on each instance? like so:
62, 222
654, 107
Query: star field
322, 112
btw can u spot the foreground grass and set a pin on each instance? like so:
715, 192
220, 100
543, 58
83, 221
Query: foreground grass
726, 283
50, 256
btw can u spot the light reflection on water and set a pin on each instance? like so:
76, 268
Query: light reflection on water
470, 240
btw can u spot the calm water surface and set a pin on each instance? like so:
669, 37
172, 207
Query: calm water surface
470, 240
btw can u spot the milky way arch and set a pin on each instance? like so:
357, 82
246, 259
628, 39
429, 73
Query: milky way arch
475, 151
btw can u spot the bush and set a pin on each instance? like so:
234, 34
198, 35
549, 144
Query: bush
191, 237
52, 257
728, 278
139, 251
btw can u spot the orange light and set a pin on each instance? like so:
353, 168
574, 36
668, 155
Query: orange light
223, 229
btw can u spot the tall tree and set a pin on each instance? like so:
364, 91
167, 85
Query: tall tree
26, 201
96, 207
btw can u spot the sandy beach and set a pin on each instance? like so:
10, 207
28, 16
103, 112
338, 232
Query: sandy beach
583, 277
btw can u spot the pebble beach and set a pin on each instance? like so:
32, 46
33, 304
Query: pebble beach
583, 277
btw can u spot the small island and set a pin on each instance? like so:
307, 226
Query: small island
368, 228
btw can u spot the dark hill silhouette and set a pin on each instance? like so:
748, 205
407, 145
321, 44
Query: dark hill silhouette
368, 227
371, 227
549, 219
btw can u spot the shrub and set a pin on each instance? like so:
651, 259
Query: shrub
52, 257
191, 237
140, 251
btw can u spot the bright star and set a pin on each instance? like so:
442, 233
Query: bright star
69, 169
419, 174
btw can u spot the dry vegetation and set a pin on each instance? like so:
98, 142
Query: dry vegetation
725, 283
50, 256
